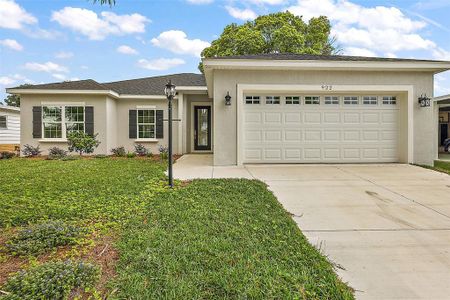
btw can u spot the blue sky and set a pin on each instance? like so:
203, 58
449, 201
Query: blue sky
48, 41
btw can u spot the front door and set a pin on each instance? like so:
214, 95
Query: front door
202, 128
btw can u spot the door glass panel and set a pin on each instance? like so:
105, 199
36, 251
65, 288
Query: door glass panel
202, 127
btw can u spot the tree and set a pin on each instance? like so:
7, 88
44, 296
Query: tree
109, 2
281, 32
12, 100
81, 142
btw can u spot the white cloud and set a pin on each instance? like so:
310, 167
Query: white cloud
13, 16
200, 1
442, 84
11, 44
49, 67
84, 67
6, 80
59, 76
124, 49
97, 27
354, 51
12, 79
268, 2
241, 14
441, 54
64, 55
176, 41
160, 63
377, 29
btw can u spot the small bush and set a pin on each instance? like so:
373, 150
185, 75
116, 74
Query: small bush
52, 280
81, 142
6, 155
140, 150
131, 154
150, 155
163, 152
119, 151
31, 151
56, 153
36, 239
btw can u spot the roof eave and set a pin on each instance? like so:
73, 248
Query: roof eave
62, 92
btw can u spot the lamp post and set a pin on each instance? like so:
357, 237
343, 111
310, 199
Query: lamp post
170, 92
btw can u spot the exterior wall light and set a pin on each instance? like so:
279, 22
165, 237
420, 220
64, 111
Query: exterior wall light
424, 101
228, 99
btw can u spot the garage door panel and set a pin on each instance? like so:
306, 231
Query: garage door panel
253, 118
331, 135
272, 154
272, 118
293, 118
292, 135
293, 154
331, 118
332, 153
253, 135
273, 136
351, 117
313, 153
313, 117
313, 135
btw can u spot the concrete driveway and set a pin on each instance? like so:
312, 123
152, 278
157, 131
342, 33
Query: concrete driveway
387, 227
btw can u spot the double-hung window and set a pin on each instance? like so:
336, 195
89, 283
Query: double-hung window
370, 100
351, 100
292, 100
252, 100
146, 123
59, 121
333, 100
272, 99
389, 100
312, 100
3, 122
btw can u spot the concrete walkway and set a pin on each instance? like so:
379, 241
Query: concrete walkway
386, 226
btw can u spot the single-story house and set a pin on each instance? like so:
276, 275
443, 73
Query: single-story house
284, 108
9, 128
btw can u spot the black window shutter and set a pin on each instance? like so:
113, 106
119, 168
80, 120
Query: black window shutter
159, 124
132, 124
89, 120
37, 122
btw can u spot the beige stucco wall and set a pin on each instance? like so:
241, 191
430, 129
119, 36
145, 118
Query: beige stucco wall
26, 118
425, 119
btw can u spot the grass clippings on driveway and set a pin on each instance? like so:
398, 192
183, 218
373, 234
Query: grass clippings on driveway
222, 239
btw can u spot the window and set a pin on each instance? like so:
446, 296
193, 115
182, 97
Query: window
390, 100
312, 100
370, 100
3, 122
351, 100
332, 100
252, 100
57, 127
146, 123
292, 100
272, 99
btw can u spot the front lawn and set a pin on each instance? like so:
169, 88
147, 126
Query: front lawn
206, 239
442, 166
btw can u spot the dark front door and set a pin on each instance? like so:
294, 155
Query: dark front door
444, 133
202, 127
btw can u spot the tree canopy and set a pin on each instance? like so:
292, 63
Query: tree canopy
281, 32
12, 100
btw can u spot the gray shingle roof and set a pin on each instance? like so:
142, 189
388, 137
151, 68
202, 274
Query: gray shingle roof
141, 86
292, 56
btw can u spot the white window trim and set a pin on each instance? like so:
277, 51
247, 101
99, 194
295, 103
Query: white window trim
292, 100
312, 96
369, 96
357, 99
390, 100
63, 137
271, 100
6, 122
153, 139
252, 100
338, 100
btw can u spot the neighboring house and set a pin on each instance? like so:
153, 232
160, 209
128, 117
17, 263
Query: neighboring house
9, 128
444, 118
285, 108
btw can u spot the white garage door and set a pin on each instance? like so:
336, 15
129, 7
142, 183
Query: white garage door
330, 129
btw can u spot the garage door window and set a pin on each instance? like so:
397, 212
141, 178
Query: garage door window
332, 100
312, 100
252, 100
272, 99
389, 100
351, 100
370, 100
292, 100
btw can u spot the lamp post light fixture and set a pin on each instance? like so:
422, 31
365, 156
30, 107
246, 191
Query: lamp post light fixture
228, 99
424, 101
170, 91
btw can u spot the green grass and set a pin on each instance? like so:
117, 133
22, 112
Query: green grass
222, 239
104, 190
442, 166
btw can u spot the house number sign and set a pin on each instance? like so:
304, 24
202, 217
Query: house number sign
327, 87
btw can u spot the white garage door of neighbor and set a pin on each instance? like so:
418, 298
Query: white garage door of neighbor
320, 129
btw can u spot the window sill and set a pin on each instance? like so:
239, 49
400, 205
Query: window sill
53, 141
146, 140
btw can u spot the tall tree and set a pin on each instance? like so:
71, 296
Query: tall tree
109, 2
281, 32
12, 100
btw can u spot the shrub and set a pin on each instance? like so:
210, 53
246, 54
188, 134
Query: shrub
131, 154
37, 238
6, 155
56, 153
140, 150
82, 143
163, 152
150, 155
52, 280
31, 151
119, 151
